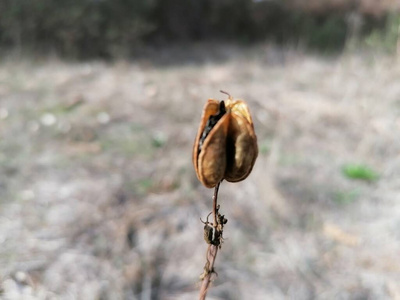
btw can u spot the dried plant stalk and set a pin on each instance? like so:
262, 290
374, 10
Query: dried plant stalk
212, 251
225, 148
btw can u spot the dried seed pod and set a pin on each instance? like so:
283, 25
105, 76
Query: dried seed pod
225, 145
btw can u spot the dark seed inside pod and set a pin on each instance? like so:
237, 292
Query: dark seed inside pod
212, 120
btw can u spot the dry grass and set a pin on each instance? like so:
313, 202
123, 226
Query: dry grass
99, 199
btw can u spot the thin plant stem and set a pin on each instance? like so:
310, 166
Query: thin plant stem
211, 253
215, 199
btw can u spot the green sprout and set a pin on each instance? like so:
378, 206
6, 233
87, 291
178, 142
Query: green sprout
359, 171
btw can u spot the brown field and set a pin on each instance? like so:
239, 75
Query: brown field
99, 199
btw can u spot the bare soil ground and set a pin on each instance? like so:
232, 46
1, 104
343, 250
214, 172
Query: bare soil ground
99, 199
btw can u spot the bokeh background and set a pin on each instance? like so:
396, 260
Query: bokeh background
99, 106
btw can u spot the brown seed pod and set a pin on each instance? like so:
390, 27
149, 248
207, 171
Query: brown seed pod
225, 145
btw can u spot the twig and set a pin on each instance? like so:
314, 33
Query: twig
211, 253
215, 204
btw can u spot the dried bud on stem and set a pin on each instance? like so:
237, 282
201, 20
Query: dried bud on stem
225, 148
225, 145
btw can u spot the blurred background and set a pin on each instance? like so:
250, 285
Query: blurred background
100, 102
